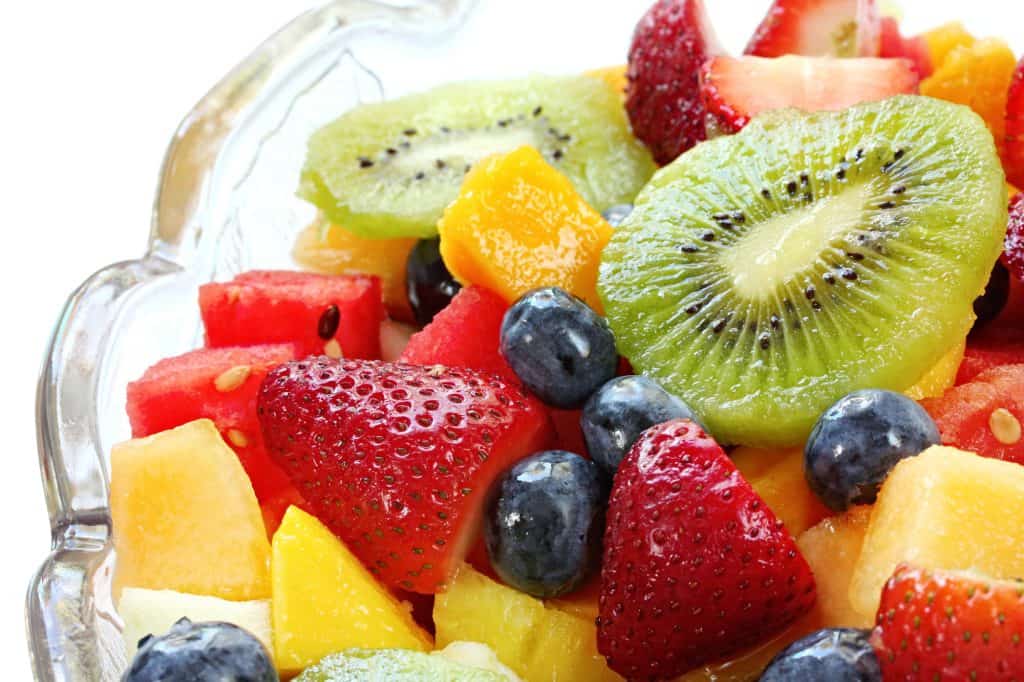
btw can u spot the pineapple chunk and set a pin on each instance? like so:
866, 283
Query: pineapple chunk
185, 516
536, 641
325, 601
153, 612
778, 477
945, 509
832, 549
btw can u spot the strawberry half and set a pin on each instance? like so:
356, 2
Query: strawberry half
696, 566
663, 96
1014, 150
949, 625
397, 460
818, 28
737, 89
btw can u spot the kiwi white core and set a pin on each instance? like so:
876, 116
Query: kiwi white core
787, 244
468, 147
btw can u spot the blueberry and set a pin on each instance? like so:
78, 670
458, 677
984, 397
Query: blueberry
558, 346
617, 213
620, 411
857, 442
427, 281
836, 655
992, 301
545, 521
201, 652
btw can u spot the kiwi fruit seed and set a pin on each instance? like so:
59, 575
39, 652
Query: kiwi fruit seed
762, 276
388, 170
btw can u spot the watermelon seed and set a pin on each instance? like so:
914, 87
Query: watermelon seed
237, 438
230, 379
332, 349
328, 323
1004, 426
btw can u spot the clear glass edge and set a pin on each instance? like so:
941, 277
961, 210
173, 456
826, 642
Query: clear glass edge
61, 606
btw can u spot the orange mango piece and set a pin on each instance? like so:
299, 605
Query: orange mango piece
832, 549
329, 249
615, 76
519, 224
944, 39
778, 477
977, 76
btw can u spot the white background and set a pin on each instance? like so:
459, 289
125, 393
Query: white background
91, 92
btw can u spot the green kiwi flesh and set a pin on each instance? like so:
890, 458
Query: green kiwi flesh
763, 276
389, 169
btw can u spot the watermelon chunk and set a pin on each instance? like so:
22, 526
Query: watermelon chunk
467, 333
895, 46
965, 417
1000, 342
219, 384
263, 306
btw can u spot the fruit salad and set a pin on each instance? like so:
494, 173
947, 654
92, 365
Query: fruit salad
706, 366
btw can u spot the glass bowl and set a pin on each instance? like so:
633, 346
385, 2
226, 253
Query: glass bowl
226, 203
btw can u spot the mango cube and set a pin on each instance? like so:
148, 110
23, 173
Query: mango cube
537, 641
778, 477
325, 601
945, 509
519, 224
185, 516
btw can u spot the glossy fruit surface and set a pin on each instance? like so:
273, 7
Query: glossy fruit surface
623, 408
832, 549
838, 654
395, 459
202, 652
429, 285
671, 598
518, 224
558, 346
544, 525
856, 443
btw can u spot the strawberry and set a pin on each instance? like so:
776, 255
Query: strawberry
894, 46
737, 89
818, 28
949, 625
663, 96
696, 566
397, 459
1014, 149
1013, 247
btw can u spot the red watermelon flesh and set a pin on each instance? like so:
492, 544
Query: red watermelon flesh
964, 414
274, 506
915, 48
1000, 342
467, 333
218, 384
263, 306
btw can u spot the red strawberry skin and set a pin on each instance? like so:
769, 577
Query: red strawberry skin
1014, 149
818, 28
1013, 247
696, 567
397, 459
946, 625
663, 96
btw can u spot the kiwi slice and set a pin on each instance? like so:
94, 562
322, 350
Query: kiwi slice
762, 276
388, 170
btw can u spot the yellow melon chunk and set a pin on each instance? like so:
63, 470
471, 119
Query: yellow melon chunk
614, 76
185, 516
778, 477
519, 224
538, 642
945, 509
832, 549
324, 600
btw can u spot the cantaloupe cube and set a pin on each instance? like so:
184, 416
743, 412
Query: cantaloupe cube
778, 477
832, 549
153, 612
944, 509
537, 641
325, 601
185, 516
